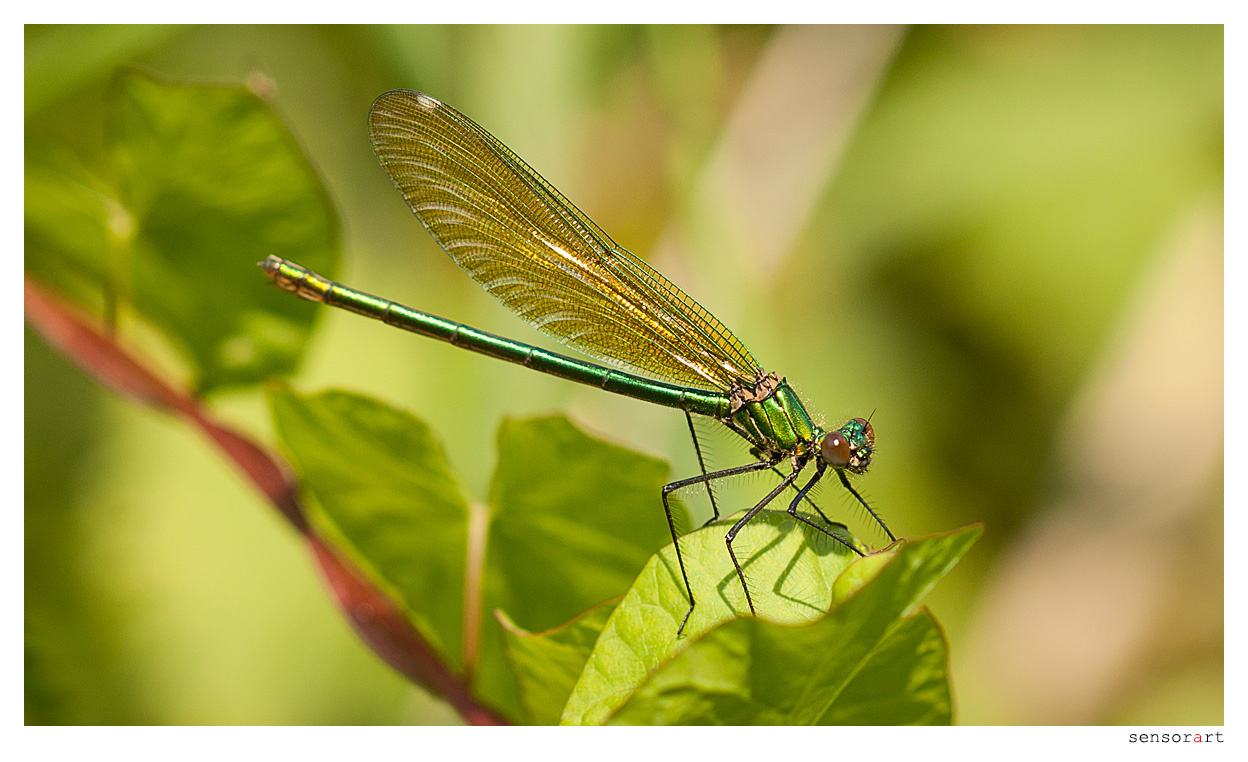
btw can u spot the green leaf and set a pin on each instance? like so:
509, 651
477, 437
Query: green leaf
215, 183
573, 519
859, 573
547, 664
204, 183
69, 241
790, 568
384, 486
752, 671
905, 680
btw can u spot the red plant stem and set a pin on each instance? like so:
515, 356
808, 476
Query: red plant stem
377, 619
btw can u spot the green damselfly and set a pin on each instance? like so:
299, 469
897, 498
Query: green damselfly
550, 264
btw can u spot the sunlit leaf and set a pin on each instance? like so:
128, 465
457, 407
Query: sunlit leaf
753, 671
789, 566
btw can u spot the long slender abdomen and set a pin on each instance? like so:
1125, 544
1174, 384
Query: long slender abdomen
302, 282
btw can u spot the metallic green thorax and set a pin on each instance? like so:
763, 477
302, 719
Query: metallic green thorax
771, 416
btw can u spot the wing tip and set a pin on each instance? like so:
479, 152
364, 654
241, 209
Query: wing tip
398, 110
423, 100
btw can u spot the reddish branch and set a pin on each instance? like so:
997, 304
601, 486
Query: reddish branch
377, 619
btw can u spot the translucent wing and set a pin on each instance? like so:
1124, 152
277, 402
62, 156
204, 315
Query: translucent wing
538, 254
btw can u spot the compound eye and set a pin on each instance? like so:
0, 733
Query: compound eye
835, 449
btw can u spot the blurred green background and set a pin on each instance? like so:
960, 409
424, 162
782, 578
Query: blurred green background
1004, 241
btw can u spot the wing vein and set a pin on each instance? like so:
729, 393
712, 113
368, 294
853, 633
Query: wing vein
534, 251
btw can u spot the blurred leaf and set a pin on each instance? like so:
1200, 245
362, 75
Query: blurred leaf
385, 486
215, 183
790, 567
206, 182
905, 680
67, 213
753, 671
547, 664
573, 521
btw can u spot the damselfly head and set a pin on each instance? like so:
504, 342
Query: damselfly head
849, 447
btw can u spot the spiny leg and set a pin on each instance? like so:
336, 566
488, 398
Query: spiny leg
702, 465
802, 495
671, 525
854, 492
819, 469
732, 533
